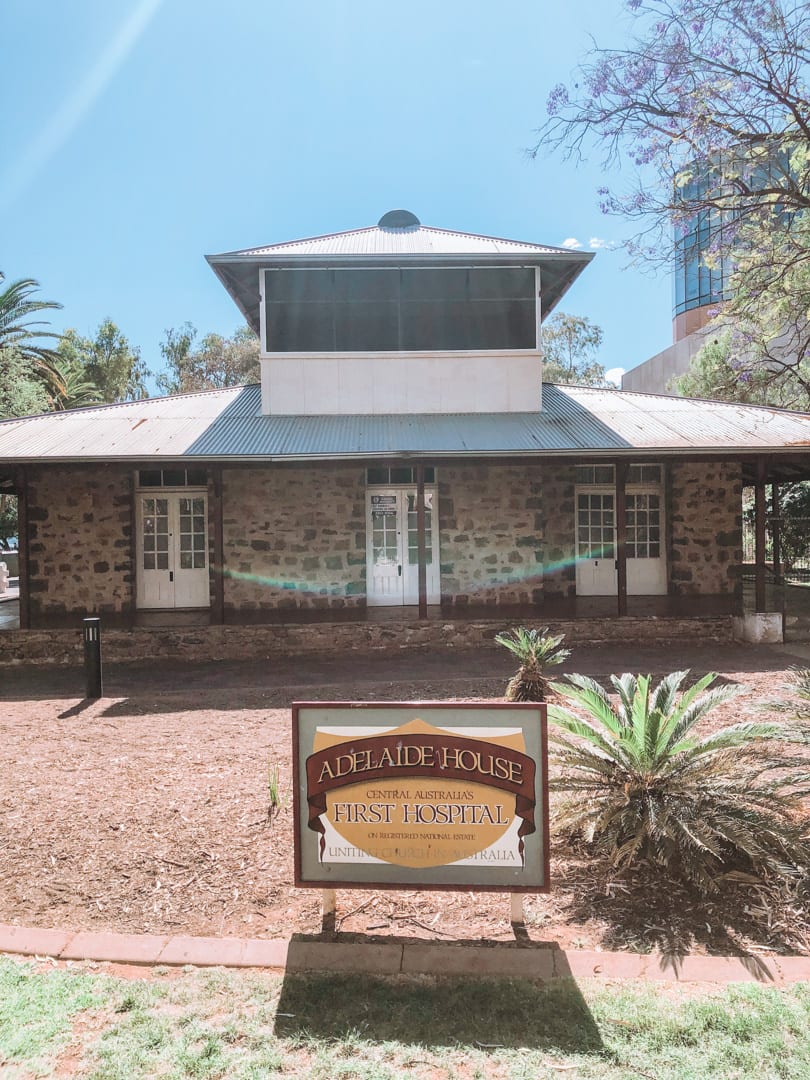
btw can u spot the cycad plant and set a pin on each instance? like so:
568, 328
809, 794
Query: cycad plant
638, 784
798, 686
537, 650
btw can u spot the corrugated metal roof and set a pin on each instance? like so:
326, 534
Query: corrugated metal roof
239, 271
417, 240
228, 425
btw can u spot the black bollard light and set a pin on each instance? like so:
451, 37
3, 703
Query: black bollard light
92, 656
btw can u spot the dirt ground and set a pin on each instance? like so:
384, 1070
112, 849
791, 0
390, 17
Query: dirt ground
147, 811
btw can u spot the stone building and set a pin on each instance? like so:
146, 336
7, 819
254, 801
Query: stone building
400, 474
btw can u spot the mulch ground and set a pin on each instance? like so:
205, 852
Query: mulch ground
147, 811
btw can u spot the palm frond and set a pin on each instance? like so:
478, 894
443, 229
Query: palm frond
537, 650
638, 783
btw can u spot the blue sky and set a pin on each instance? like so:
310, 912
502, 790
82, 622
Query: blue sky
141, 135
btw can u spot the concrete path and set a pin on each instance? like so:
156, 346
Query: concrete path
397, 958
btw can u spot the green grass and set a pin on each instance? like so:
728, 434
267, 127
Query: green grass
329, 1027
37, 1014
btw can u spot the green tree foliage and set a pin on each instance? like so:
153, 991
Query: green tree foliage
106, 361
709, 102
793, 520
639, 784
24, 335
76, 388
216, 362
8, 520
28, 374
22, 390
713, 374
570, 344
768, 313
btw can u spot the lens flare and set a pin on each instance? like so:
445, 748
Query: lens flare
532, 573
27, 165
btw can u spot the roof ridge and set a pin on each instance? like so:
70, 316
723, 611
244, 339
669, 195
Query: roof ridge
365, 229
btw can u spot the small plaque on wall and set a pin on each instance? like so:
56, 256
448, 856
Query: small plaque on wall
421, 795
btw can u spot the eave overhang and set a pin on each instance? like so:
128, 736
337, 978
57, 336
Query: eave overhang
239, 271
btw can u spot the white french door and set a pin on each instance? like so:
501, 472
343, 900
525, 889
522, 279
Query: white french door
173, 549
392, 550
646, 549
596, 542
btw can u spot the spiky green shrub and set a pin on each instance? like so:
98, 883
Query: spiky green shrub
798, 686
537, 650
639, 785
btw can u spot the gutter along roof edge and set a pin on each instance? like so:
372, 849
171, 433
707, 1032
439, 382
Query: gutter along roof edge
529, 257
633, 453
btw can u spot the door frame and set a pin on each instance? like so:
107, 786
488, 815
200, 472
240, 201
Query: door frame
634, 585
579, 563
407, 597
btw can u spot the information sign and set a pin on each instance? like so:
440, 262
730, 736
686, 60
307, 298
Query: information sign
421, 795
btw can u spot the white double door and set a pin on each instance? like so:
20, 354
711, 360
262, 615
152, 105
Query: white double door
392, 557
596, 542
173, 549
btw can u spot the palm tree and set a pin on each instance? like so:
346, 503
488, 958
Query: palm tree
20, 332
639, 785
76, 389
537, 650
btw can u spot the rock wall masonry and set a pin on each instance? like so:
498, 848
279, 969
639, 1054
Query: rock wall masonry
80, 540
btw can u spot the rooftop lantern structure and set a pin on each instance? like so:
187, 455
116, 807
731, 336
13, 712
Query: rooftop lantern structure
399, 317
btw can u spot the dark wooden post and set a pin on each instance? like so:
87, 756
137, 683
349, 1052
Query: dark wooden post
217, 549
759, 537
133, 547
92, 657
21, 487
621, 537
776, 530
421, 547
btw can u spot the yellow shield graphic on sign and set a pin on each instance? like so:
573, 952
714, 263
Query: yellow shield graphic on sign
444, 811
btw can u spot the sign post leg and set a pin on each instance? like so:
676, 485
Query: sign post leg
329, 906
517, 917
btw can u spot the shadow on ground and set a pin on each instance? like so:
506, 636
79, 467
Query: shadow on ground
431, 1011
163, 677
644, 911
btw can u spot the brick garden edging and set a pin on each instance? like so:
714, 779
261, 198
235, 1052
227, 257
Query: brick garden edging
410, 958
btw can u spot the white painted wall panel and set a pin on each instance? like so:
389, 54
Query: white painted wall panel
377, 384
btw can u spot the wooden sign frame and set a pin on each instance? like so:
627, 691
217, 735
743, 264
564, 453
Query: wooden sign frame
493, 757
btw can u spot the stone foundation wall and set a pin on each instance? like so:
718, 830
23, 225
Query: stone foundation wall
338, 639
294, 538
80, 541
705, 515
490, 534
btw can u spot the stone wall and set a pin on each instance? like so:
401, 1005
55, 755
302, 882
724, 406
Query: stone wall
338, 639
80, 542
490, 534
705, 513
559, 529
293, 538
